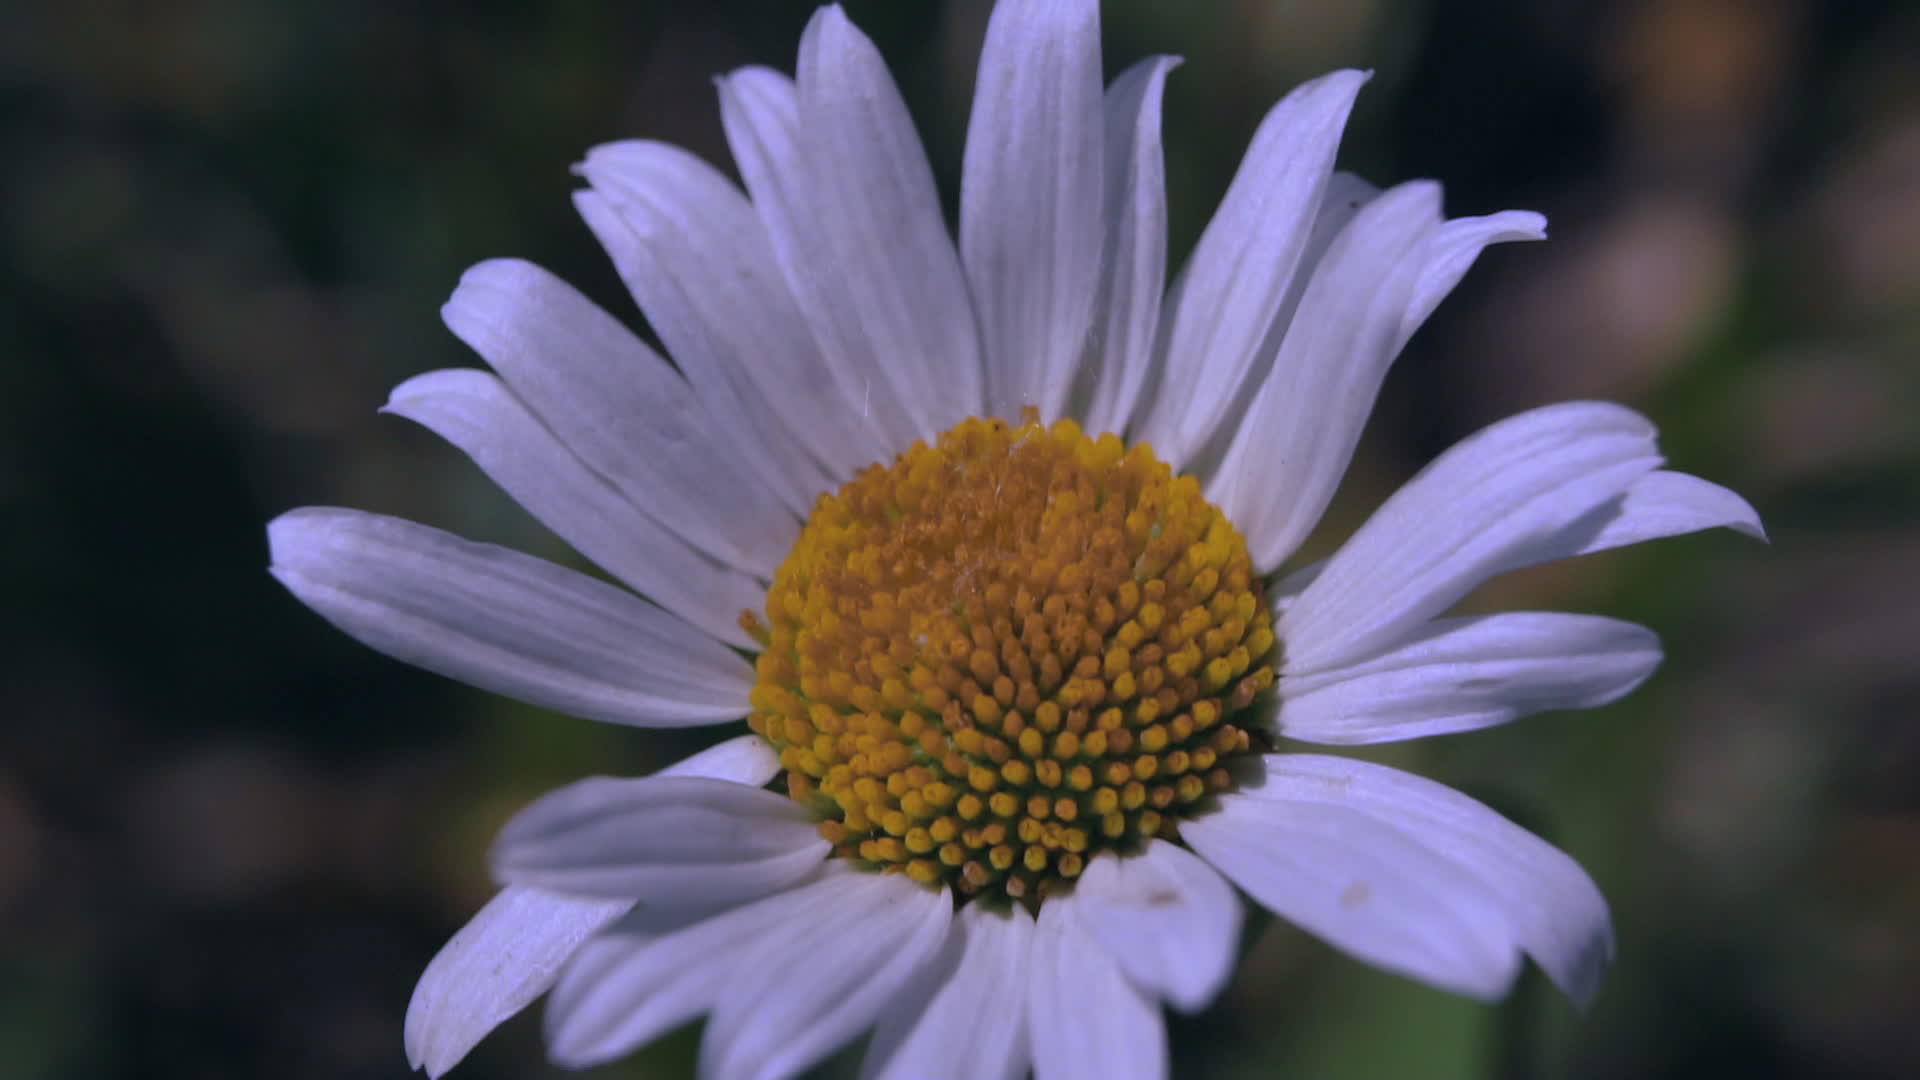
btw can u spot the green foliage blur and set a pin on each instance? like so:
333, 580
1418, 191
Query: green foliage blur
230, 838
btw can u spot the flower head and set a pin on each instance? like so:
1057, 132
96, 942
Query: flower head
989, 548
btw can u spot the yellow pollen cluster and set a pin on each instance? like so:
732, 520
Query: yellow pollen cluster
1003, 654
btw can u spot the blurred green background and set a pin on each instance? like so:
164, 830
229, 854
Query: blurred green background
230, 838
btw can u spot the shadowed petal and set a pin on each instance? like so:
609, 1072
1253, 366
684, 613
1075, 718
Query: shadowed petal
513, 950
1169, 920
967, 1014
506, 956
696, 258
681, 840
800, 994
1658, 505
475, 411
658, 968
1085, 1017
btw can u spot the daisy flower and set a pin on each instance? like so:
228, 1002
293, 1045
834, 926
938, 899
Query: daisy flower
988, 544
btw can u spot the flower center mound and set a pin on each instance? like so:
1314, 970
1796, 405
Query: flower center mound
1000, 655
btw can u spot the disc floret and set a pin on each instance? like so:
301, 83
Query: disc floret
1004, 653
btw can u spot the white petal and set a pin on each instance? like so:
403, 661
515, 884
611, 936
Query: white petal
874, 199
1279, 459
1346, 195
505, 622
803, 993
1226, 299
1466, 673
474, 411
621, 409
1659, 504
1366, 887
841, 181
1030, 198
1086, 1019
505, 956
1552, 908
1488, 505
662, 840
1168, 918
743, 759
513, 950
760, 109
740, 412
967, 1015
760, 112
1292, 447
658, 968
1451, 252
697, 259
1134, 267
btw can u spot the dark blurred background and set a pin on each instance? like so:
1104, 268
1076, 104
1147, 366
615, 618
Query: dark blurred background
230, 838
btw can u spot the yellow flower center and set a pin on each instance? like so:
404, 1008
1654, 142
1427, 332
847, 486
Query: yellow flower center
1005, 653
